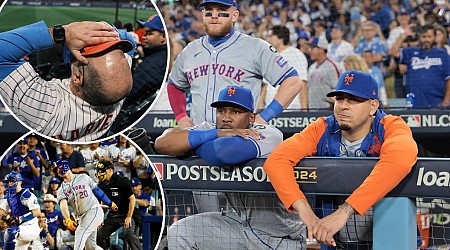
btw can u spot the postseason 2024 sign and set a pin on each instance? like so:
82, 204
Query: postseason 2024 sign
430, 177
429, 181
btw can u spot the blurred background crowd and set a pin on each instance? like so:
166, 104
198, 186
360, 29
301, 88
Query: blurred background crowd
363, 35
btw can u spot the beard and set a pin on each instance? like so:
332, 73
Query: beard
221, 32
344, 127
426, 45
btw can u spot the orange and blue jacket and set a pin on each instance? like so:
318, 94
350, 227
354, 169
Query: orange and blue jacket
390, 139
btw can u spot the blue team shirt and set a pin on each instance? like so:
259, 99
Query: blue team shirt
143, 210
376, 45
54, 221
426, 76
25, 170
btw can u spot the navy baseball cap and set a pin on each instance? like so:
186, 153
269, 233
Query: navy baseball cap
303, 34
319, 42
33, 135
55, 180
25, 140
135, 182
403, 12
223, 2
356, 83
154, 22
236, 95
337, 26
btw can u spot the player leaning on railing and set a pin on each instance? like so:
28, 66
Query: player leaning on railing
356, 129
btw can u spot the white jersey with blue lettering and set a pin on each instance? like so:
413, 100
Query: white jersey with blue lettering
240, 60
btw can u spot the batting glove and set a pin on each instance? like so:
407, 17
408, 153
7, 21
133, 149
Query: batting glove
72, 225
113, 206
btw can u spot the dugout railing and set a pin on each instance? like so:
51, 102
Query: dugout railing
394, 218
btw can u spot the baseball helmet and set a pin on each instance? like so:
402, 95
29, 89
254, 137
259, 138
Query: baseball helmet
12, 177
64, 165
100, 169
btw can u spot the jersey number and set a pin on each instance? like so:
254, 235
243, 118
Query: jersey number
84, 194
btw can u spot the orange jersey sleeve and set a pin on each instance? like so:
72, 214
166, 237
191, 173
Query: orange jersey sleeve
398, 155
280, 164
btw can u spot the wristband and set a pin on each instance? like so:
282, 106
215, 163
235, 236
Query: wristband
181, 116
26, 217
198, 137
272, 111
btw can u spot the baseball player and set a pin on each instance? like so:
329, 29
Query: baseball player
23, 206
81, 193
356, 129
226, 57
81, 108
233, 140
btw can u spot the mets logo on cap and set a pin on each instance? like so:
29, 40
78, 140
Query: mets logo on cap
348, 78
231, 91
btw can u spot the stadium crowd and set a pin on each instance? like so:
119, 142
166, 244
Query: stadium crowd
35, 159
373, 33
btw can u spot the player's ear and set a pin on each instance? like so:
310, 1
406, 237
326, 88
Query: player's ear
374, 104
252, 118
77, 75
235, 15
163, 38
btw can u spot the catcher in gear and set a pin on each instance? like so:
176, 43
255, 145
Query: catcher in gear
81, 193
23, 226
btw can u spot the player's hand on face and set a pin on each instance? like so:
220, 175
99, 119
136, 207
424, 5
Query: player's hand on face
185, 122
260, 120
127, 222
244, 133
82, 34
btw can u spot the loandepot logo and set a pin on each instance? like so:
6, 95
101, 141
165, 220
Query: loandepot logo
431, 178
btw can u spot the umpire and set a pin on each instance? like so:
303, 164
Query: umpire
118, 189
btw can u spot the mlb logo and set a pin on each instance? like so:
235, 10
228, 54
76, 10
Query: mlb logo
413, 121
160, 173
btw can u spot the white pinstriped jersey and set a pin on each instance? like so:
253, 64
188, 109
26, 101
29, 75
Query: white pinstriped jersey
49, 107
78, 193
241, 60
52, 109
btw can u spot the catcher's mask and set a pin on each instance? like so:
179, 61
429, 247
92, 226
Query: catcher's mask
61, 168
13, 177
100, 169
